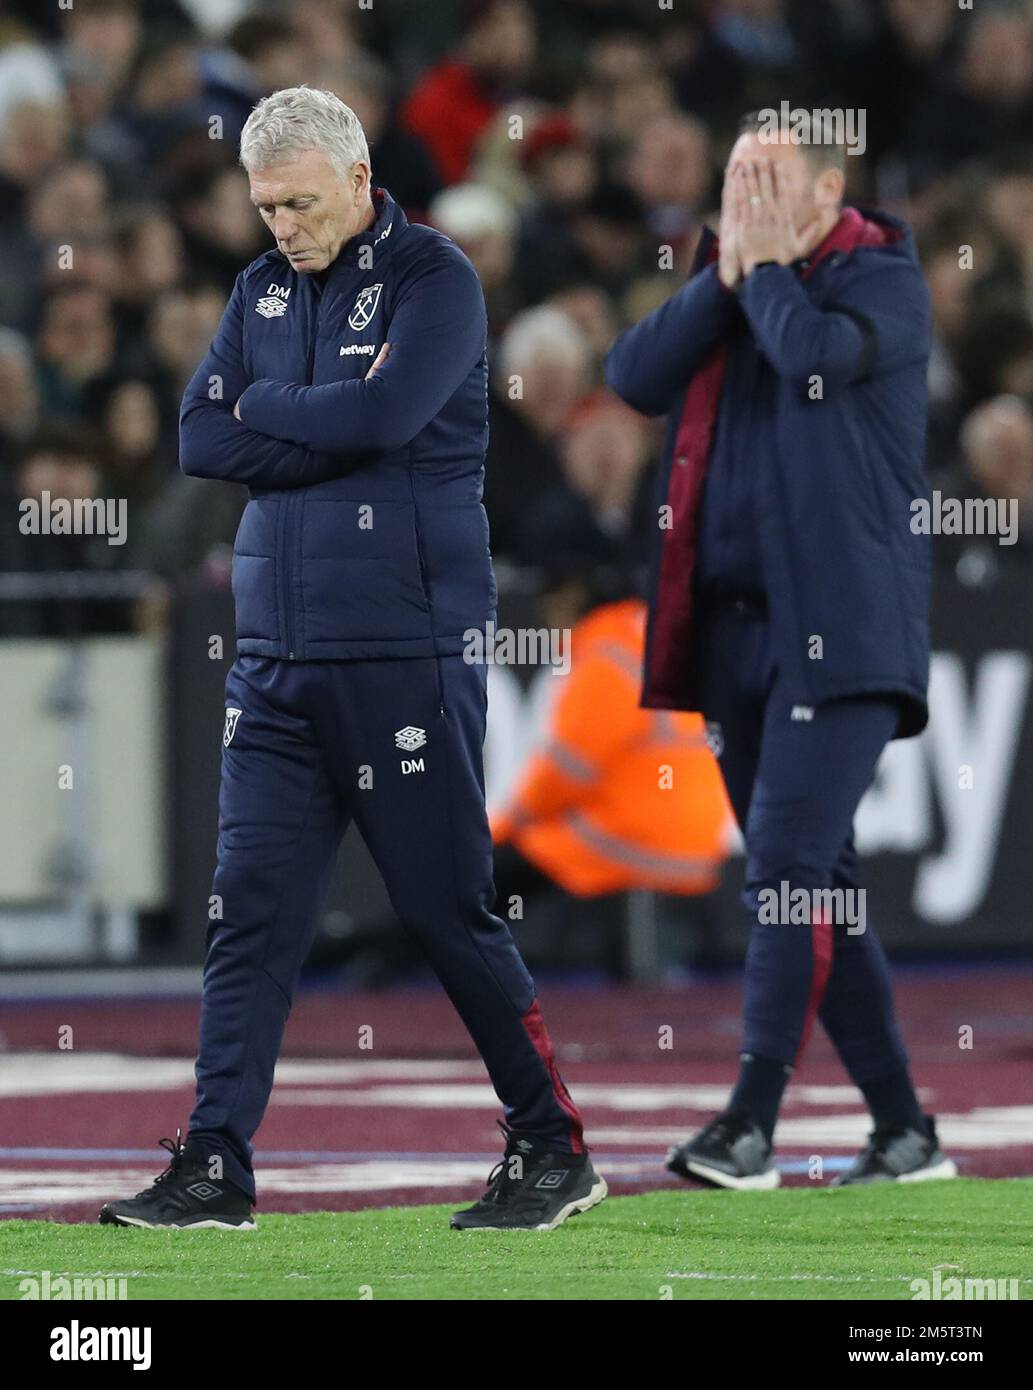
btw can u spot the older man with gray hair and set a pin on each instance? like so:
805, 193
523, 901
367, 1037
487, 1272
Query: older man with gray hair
982, 510
346, 387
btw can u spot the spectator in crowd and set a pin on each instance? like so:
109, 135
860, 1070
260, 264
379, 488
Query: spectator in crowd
747, 54
105, 33
637, 102
402, 161
33, 140
995, 352
541, 371
19, 396
995, 480
984, 107
670, 171
60, 464
140, 454
96, 56
262, 53
594, 312
216, 219
180, 326
64, 233
612, 238
604, 495
75, 346
484, 224
1009, 207
562, 164
68, 203
898, 68
150, 262
964, 268
166, 98
328, 28
30, 81
451, 106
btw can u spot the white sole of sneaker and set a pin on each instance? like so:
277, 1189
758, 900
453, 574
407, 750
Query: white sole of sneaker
939, 1171
598, 1192
586, 1203
947, 1169
756, 1182
195, 1226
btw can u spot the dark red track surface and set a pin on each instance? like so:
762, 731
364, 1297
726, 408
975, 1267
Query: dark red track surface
413, 1118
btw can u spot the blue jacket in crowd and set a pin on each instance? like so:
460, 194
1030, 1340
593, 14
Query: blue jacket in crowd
364, 535
800, 406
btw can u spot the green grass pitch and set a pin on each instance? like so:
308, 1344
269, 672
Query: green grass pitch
800, 1244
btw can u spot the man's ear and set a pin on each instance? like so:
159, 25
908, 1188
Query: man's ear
831, 187
361, 179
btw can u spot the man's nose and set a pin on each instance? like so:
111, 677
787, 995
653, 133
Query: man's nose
284, 227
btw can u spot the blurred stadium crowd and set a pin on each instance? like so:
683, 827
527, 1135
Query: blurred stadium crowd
563, 145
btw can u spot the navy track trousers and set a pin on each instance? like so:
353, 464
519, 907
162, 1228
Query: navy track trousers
394, 745
795, 778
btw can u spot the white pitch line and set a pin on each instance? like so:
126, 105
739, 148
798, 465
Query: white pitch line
62, 1073
801, 1278
56, 1186
854, 1280
130, 1274
632, 1096
986, 1127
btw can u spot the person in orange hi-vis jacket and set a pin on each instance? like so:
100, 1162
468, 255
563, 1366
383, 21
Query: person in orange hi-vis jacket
617, 797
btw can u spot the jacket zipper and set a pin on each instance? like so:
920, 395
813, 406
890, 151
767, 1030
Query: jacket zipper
420, 557
290, 508
285, 588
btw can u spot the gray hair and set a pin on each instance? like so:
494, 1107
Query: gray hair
542, 334
980, 426
467, 211
296, 119
15, 345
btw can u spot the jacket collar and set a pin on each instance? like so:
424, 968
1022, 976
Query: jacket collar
853, 230
381, 236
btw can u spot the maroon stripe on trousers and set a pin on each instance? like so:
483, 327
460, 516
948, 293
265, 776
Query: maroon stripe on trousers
821, 949
534, 1025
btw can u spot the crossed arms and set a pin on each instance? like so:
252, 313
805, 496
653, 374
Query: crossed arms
285, 435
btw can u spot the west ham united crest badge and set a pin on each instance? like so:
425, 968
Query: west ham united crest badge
232, 715
365, 307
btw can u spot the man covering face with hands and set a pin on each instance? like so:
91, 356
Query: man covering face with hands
789, 602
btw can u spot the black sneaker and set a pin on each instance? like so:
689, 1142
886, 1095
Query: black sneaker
534, 1188
731, 1151
184, 1196
899, 1155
